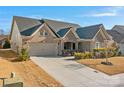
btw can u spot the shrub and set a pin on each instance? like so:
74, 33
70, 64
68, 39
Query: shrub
86, 55
114, 53
24, 54
6, 45
99, 49
102, 55
78, 55
102, 52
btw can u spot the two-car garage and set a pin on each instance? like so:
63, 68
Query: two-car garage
43, 49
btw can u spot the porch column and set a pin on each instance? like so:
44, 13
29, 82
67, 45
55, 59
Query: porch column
76, 45
92, 45
61, 47
71, 46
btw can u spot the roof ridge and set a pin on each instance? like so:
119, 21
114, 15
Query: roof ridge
59, 21
92, 26
26, 18
117, 26
113, 30
66, 28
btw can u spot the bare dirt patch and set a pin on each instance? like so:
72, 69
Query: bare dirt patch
116, 68
31, 74
7, 53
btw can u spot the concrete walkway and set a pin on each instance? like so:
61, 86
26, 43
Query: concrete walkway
72, 74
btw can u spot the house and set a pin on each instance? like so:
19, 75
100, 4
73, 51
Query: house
50, 37
3, 38
117, 33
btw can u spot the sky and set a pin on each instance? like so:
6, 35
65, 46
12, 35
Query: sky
83, 15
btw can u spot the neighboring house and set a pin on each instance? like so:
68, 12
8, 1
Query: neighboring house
49, 37
117, 32
3, 38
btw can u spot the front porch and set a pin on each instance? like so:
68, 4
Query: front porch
68, 48
71, 47
78, 46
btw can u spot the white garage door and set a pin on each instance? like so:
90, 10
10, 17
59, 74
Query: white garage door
43, 49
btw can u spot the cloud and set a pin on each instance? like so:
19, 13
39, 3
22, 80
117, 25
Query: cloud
106, 12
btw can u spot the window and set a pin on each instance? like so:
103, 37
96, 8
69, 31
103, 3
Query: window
97, 45
43, 33
73, 46
67, 45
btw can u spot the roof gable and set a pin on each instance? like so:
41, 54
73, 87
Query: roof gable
57, 25
24, 23
88, 32
119, 28
30, 31
63, 31
116, 35
28, 26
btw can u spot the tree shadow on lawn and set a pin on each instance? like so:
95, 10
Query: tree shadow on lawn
14, 60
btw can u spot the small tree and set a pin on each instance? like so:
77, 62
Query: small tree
106, 50
24, 54
114, 45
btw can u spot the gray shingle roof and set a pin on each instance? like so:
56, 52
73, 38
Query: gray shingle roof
119, 28
116, 35
122, 41
88, 32
29, 25
57, 25
63, 31
30, 31
24, 23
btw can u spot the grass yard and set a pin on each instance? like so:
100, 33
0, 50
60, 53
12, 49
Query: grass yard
116, 68
31, 74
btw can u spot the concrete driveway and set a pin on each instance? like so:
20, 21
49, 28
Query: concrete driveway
72, 74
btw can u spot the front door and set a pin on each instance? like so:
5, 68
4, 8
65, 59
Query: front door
73, 46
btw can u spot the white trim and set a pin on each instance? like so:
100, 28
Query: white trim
71, 29
74, 32
40, 28
104, 36
81, 40
66, 33
96, 34
97, 43
50, 30
37, 30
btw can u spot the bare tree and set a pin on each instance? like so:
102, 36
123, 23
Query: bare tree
1, 32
